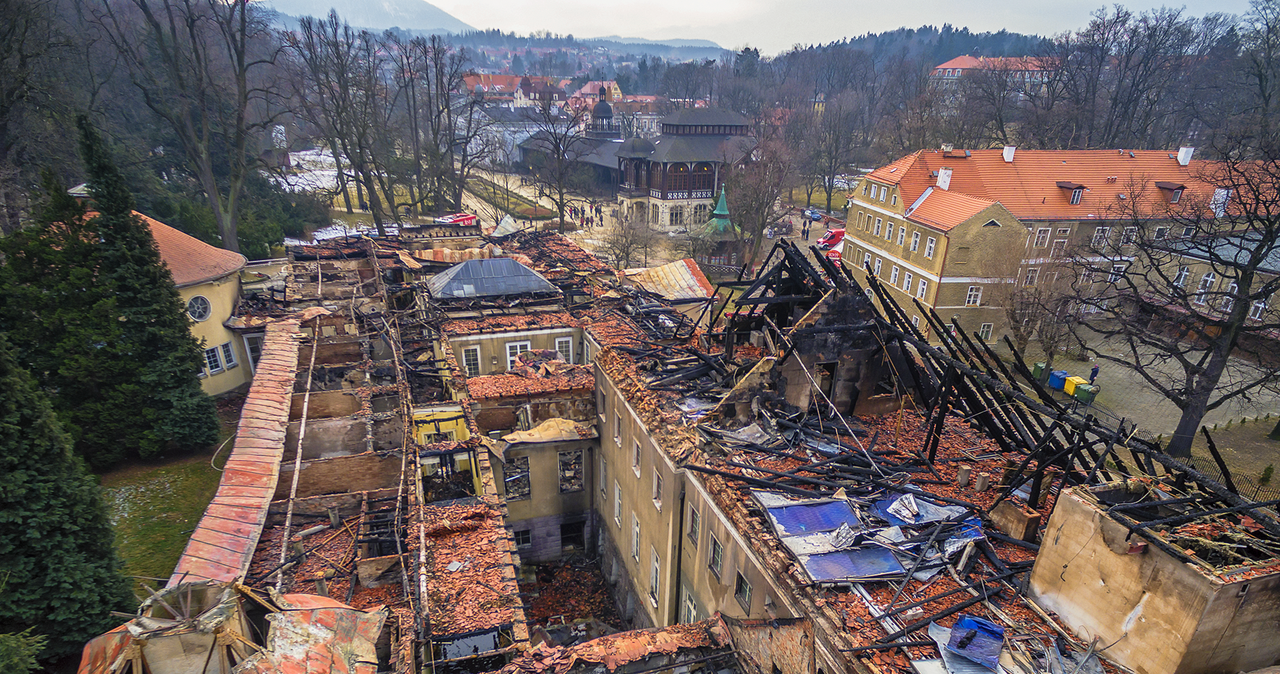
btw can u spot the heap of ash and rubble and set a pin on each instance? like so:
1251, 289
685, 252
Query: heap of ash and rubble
467, 453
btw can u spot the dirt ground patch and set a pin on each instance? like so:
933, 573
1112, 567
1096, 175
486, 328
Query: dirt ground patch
1246, 449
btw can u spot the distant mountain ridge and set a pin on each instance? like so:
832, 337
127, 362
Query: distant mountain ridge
415, 15
706, 44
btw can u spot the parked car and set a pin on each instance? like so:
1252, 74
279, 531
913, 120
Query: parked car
813, 214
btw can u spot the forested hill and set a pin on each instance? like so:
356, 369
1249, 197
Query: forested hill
937, 45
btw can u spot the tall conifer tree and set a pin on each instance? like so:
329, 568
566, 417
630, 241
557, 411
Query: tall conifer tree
60, 573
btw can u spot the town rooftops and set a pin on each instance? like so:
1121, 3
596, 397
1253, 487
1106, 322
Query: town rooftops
488, 278
1027, 181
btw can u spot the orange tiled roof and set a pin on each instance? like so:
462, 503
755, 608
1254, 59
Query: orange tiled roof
1029, 185
191, 260
623, 648
222, 545
943, 209
964, 61
679, 280
507, 384
967, 62
475, 326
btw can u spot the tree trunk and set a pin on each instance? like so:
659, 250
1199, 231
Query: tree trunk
1275, 432
342, 175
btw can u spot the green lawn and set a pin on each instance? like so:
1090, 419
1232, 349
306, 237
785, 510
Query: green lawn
493, 194
154, 507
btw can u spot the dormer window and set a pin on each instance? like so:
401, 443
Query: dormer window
1175, 197
1077, 190
1174, 190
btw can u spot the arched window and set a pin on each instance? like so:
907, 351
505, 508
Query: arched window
678, 177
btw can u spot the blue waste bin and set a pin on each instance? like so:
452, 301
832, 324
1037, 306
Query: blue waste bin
1057, 379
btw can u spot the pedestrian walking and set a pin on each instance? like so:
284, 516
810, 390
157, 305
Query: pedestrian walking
1093, 374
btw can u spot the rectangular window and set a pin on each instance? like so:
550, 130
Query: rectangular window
924, 288
655, 571
884, 192
689, 610
1257, 310
888, 232
879, 222
253, 347
1076, 194
1189, 230
1117, 272
1181, 279
1059, 248
213, 360
617, 503
902, 234
876, 268
1129, 236
1229, 300
228, 356
1161, 233
1100, 236
604, 476
635, 457
915, 241
617, 428
742, 592
635, 537
1206, 285
573, 536
928, 247
716, 557
471, 361
571, 473
657, 489
893, 276
524, 538
565, 346
915, 321
866, 260
1033, 275
974, 298
515, 476
1175, 197
984, 331
1064, 231
1042, 237
894, 200
514, 349
695, 524
906, 282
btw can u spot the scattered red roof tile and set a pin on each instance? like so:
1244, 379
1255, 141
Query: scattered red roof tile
623, 648
467, 589
474, 326
511, 384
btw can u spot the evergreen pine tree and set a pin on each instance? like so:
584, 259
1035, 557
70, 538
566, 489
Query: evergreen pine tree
170, 407
61, 573
60, 315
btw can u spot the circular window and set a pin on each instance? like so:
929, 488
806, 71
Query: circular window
199, 308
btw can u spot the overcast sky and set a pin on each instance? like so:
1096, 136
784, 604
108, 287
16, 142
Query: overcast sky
776, 25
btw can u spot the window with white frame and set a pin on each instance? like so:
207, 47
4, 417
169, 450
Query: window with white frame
213, 360
915, 241
564, 345
1206, 285
876, 269
1076, 195
1058, 249
635, 457
922, 289
689, 610
617, 503
657, 489
695, 524
894, 200
879, 223
1042, 237
514, 349
1064, 231
888, 232
1180, 280
915, 321
1129, 236
635, 537
228, 356
1176, 196
1161, 233
253, 347
884, 192
742, 592
893, 276
1033, 275
1257, 310
1229, 300
471, 361
1117, 272
906, 282
199, 308
902, 234
984, 331
1189, 230
866, 260
1100, 236
715, 557
929, 246
974, 297
655, 572
604, 476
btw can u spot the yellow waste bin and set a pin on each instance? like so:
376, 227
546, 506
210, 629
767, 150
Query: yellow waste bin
1069, 386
